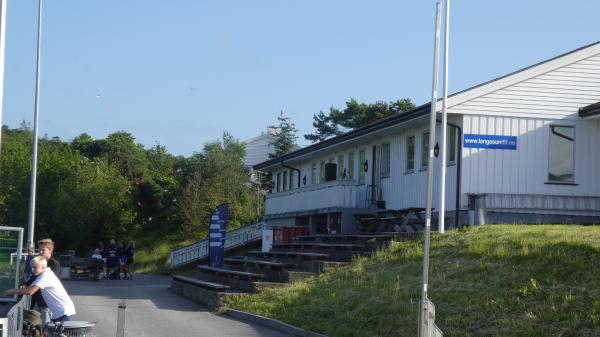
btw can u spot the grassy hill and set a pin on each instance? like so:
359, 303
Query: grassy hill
501, 280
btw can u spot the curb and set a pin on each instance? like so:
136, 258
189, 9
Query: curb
271, 323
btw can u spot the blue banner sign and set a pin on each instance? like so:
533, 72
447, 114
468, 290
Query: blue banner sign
490, 142
218, 228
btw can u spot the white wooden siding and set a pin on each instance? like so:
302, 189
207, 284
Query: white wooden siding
525, 171
258, 149
556, 94
401, 189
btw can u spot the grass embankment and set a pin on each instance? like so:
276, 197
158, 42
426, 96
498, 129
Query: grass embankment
152, 257
489, 281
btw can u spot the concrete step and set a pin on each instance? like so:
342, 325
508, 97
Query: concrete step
235, 279
318, 246
272, 271
203, 292
346, 238
302, 261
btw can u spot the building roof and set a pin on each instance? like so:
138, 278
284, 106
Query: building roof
591, 110
459, 97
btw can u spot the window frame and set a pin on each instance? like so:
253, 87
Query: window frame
351, 165
362, 175
313, 174
550, 133
278, 182
451, 150
425, 150
414, 146
386, 160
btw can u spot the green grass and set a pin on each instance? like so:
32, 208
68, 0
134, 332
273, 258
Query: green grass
153, 258
504, 280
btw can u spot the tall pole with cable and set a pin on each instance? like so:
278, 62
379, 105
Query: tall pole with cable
31, 228
2, 48
426, 310
442, 205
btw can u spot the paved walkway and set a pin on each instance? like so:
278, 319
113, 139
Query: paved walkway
152, 310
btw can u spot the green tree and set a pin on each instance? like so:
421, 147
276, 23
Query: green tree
357, 115
94, 205
120, 149
285, 137
324, 128
215, 176
353, 116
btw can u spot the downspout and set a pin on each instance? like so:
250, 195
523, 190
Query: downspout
458, 170
293, 169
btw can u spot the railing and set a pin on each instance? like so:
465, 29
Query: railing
12, 325
337, 193
199, 250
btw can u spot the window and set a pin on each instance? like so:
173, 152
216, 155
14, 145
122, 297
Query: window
313, 174
410, 153
292, 180
279, 182
362, 158
341, 170
385, 160
425, 150
322, 171
285, 180
561, 154
451, 144
351, 165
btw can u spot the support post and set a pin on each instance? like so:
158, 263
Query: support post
442, 204
121, 319
424, 307
32, 190
2, 48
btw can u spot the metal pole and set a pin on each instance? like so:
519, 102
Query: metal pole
442, 205
35, 132
121, 318
2, 48
423, 311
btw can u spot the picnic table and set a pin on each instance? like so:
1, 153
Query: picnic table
393, 220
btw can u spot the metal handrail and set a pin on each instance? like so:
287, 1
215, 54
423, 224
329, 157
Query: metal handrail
12, 325
199, 250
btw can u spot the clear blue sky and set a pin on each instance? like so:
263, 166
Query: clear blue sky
181, 72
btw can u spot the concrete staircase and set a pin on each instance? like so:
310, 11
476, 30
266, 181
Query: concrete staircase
285, 263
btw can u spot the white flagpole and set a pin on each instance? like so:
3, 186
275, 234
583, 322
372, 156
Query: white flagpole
424, 309
2, 48
30, 242
442, 205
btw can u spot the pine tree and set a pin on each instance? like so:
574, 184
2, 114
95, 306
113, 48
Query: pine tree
285, 137
324, 128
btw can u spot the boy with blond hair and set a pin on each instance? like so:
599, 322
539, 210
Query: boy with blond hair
52, 290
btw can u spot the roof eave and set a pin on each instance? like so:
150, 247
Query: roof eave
363, 131
590, 111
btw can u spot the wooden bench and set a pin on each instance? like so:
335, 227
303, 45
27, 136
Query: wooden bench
392, 220
85, 268
201, 284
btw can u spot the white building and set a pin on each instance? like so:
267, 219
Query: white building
259, 147
531, 143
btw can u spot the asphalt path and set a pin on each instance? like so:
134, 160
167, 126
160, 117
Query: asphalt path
152, 310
